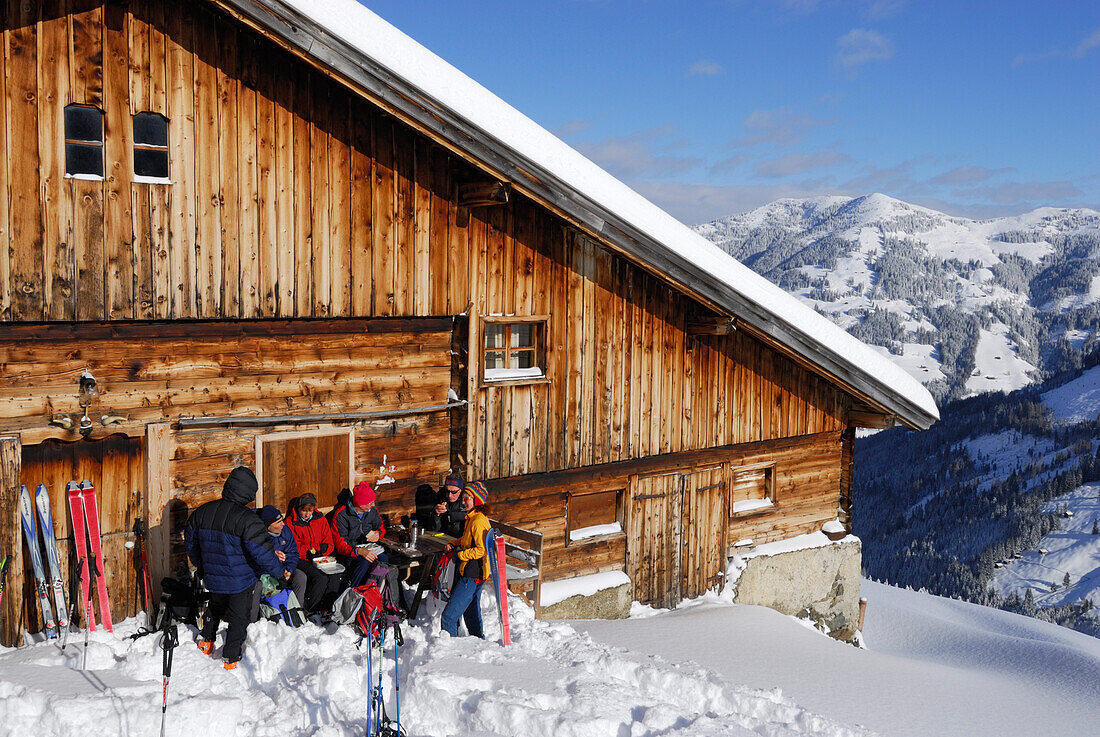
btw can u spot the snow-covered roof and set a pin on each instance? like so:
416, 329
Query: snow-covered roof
353, 41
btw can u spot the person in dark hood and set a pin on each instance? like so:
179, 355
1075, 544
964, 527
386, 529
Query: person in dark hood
230, 546
449, 514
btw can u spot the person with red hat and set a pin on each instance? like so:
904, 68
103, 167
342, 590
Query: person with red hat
472, 562
355, 526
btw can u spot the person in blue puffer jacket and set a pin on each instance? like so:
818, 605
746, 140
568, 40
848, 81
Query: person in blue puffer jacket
230, 547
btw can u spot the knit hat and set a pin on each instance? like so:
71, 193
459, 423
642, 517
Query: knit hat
454, 481
305, 499
363, 494
477, 490
269, 514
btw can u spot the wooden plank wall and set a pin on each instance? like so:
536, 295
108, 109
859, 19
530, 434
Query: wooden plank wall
807, 483
627, 381
150, 372
287, 198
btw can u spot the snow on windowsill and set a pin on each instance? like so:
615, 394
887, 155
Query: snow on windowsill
798, 542
557, 591
584, 533
86, 177
513, 373
750, 505
141, 179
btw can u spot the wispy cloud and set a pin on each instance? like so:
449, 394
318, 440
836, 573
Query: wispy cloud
1014, 193
1083, 47
881, 9
698, 203
705, 68
797, 163
967, 175
781, 126
572, 128
861, 45
638, 154
727, 165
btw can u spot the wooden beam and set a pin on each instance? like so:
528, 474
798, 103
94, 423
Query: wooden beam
712, 326
872, 420
11, 541
482, 194
158, 521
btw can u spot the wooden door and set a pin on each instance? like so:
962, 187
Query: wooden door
653, 540
116, 467
295, 463
703, 553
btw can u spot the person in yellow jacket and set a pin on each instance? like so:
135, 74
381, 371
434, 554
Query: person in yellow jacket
472, 563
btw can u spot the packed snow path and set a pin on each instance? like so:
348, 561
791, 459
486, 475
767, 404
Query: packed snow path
706, 669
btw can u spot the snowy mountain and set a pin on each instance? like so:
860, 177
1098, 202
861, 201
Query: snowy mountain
931, 667
966, 306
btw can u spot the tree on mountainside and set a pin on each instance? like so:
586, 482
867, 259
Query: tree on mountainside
1095, 527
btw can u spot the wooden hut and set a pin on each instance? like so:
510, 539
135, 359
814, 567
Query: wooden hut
280, 233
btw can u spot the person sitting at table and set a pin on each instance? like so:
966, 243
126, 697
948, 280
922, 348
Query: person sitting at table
449, 514
356, 527
313, 537
286, 550
472, 562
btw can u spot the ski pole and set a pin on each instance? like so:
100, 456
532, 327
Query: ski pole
168, 643
370, 692
3, 577
396, 675
74, 590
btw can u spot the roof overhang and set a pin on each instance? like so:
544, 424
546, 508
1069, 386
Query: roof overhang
316, 44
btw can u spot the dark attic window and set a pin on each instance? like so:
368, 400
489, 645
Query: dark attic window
83, 142
151, 147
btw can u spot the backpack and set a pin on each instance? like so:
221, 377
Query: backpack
181, 600
444, 577
367, 608
282, 604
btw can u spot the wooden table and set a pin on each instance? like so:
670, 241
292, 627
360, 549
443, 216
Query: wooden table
429, 549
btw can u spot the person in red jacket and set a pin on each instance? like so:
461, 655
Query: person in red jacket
313, 536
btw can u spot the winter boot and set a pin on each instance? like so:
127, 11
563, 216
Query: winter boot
228, 665
206, 647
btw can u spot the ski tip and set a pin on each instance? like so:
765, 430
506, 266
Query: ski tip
41, 489
71, 486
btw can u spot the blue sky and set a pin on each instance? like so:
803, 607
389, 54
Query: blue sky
718, 106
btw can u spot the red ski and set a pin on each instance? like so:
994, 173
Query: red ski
95, 554
85, 514
76, 511
502, 582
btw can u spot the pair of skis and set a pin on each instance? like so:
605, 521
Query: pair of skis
378, 722
44, 585
85, 516
494, 547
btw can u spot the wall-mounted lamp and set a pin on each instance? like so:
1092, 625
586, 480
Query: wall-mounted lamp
88, 394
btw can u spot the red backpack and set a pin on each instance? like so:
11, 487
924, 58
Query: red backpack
444, 577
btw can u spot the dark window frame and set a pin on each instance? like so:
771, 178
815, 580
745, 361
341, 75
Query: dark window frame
768, 470
619, 517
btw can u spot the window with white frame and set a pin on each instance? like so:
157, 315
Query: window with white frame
83, 142
513, 348
150, 148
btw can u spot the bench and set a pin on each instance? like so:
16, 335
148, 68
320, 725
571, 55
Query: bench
522, 561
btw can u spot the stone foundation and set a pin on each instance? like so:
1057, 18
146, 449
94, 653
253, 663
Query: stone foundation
819, 583
611, 603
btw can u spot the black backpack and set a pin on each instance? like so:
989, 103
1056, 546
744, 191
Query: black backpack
181, 600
